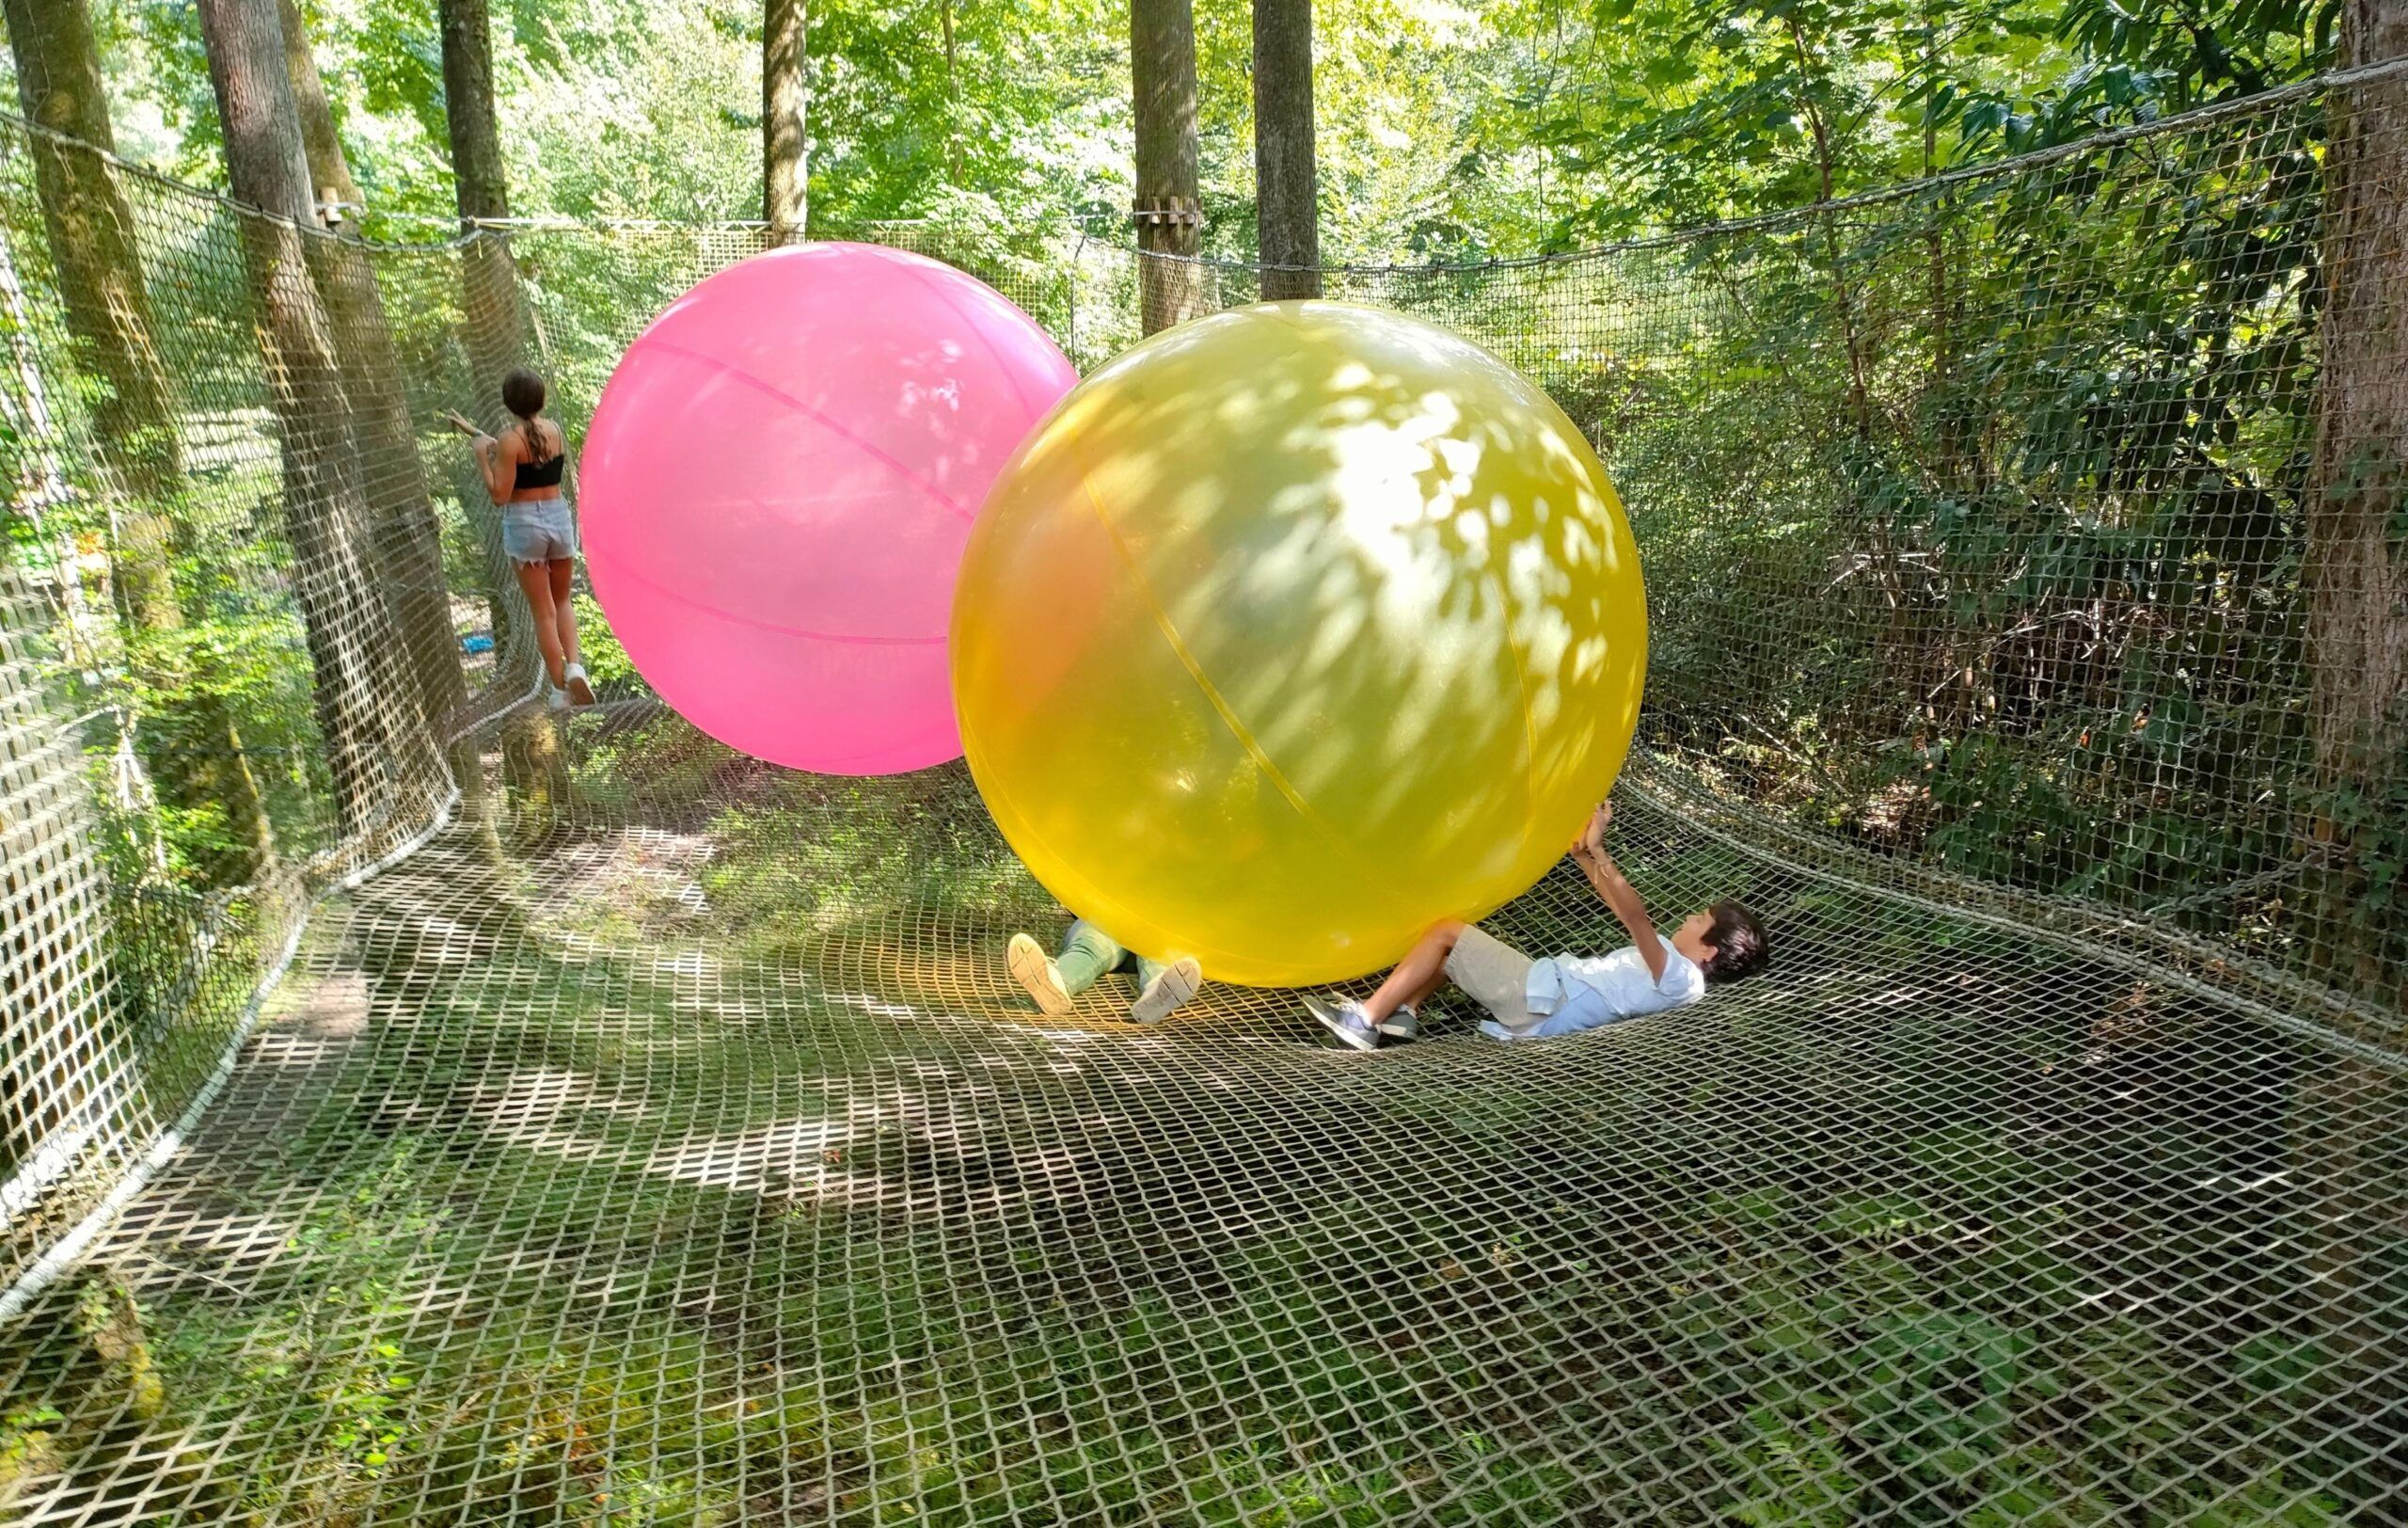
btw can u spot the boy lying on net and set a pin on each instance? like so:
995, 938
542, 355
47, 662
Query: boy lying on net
1528, 1000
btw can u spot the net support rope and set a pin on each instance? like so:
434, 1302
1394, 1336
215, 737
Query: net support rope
415, 1107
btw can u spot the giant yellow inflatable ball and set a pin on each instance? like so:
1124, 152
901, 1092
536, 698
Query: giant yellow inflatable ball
1293, 631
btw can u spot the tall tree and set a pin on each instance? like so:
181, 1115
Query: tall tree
339, 199
481, 186
107, 302
784, 102
951, 95
2355, 572
408, 533
1286, 209
378, 760
2356, 563
1170, 216
495, 331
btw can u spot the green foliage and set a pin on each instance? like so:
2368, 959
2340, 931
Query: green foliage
1593, 121
1446, 131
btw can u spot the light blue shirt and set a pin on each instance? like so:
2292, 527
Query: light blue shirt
1571, 993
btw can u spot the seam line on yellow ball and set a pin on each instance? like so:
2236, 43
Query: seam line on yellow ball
1529, 733
1196, 673
1289, 315
1221, 708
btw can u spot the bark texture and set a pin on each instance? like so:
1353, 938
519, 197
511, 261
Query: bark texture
2355, 571
494, 330
1162, 62
481, 189
785, 104
1286, 194
382, 765
96, 263
408, 537
2357, 564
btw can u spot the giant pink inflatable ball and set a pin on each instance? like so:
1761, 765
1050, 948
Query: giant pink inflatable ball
777, 484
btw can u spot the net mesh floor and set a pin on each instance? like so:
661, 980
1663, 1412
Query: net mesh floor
417, 1107
534, 1200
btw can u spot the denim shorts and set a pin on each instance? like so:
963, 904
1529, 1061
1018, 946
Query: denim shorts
538, 530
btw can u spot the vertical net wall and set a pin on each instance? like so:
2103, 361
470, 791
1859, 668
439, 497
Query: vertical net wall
640, 1134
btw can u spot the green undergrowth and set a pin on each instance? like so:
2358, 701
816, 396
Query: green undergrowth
779, 860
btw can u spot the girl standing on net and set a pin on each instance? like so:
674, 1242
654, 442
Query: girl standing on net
522, 471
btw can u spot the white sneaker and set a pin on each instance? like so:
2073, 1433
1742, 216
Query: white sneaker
1035, 972
555, 700
1172, 985
580, 689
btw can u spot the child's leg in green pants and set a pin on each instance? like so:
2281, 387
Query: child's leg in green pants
1087, 955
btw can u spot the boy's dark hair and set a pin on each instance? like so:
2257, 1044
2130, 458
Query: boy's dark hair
522, 393
1741, 946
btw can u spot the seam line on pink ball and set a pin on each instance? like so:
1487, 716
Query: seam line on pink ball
748, 380
936, 289
624, 570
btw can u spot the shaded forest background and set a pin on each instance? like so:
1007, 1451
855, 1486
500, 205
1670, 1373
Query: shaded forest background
1998, 516
1447, 130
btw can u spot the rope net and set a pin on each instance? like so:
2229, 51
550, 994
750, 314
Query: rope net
415, 1107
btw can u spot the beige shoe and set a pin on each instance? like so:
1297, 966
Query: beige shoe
1035, 971
1173, 986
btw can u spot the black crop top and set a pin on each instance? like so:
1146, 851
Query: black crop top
539, 474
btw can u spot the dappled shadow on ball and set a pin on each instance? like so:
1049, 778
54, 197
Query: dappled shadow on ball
1293, 630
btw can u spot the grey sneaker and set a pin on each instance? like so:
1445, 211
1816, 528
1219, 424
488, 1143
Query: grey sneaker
1035, 971
1345, 1019
1172, 985
1405, 1023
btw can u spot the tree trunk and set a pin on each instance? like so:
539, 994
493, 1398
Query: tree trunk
381, 766
1286, 200
99, 270
481, 187
408, 537
2355, 574
1169, 218
2356, 566
784, 102
338, 200
100, 280
490, 318
952, 98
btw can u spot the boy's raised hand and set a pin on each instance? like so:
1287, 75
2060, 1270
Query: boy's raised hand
1590, 841
1592, 838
